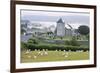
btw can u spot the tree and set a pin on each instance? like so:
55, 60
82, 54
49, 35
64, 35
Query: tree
23, 46
72, 42
83, 30
33, 41
50, 32
23, 31
61, 37
87, 37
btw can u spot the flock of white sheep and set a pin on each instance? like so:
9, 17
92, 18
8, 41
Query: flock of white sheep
43, 53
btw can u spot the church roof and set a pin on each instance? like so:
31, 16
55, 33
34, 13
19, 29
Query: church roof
60, 21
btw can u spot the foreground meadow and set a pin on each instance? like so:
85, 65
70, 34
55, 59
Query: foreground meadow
45, 56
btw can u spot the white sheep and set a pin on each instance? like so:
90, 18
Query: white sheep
29, 56
66, 56
36, 50
41, 54
64, 50
27, 52
34, 57
66, 53
56, 50
45, 53
63, 54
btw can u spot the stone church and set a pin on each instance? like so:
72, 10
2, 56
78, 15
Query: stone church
62, 31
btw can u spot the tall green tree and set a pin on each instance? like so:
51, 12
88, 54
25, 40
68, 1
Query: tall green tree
83, 30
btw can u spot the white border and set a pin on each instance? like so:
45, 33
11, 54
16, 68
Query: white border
52, 64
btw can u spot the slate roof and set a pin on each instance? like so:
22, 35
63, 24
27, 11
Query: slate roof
60, 21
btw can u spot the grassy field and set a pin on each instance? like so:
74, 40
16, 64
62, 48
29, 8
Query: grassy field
45, 56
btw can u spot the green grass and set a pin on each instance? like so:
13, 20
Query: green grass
53, 56
58, 38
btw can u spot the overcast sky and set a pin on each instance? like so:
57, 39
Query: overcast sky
47, 18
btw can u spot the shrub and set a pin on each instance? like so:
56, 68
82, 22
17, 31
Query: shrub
33, 41
23, 46
72, 42
55, 47
67, 42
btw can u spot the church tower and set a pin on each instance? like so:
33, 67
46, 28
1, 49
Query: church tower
60, 28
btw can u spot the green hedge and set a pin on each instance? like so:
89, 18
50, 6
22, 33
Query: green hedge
23, 46
55, 47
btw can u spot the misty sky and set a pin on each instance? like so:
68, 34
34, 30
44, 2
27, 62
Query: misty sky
45, 17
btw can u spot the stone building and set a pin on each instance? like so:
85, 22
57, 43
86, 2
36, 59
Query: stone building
62, 31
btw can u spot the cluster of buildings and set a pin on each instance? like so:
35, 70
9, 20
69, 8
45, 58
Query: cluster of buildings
36, 29
60, 29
